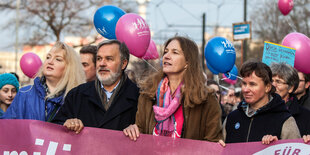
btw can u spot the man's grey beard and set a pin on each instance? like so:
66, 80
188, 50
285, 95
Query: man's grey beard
111, 79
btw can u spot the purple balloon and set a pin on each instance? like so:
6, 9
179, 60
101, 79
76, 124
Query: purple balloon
302, 45
134, 31
30, 64
151, 52
285, 6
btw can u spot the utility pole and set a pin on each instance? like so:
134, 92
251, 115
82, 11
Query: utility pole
16, 29
244, 41
203, 41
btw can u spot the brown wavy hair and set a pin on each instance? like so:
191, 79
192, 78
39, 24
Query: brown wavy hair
194, 90
260, 69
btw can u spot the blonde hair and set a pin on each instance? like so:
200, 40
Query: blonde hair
73, 74
194, 91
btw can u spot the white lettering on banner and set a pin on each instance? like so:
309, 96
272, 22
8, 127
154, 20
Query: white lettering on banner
286, 149
8, 153
66, 147
14, 153
51, 150
52, 147
23, 153
39, 142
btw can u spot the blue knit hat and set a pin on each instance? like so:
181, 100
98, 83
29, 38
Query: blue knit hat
8, 78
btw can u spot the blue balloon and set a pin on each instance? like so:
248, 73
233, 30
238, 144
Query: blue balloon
105, 20
220, 54
233, 73
211, 69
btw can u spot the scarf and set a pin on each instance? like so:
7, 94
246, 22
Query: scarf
51, 109
103, 97
167, 104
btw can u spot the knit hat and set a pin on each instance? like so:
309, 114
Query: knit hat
8, 78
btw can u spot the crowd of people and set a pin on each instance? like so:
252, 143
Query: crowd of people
95, 90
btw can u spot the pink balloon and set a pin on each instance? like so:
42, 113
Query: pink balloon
134, 31
285, 6
302, 45
151, 52
30, 64
229, 80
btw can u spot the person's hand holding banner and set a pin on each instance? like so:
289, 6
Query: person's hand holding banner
132, 131
74, 124
306, 138
267, 139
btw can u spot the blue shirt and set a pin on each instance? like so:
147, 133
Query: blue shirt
109, 94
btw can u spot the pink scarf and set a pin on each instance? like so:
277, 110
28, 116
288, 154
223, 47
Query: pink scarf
166, 107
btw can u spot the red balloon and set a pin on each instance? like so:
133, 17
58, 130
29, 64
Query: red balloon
151, 52
285, 6
302, 55
30, 64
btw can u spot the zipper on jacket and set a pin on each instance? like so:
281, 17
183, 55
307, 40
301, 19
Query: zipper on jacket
45, 110
249, 130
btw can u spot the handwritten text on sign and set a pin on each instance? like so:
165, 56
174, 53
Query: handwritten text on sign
275, 53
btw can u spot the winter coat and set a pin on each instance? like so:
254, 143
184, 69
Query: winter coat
30, 103
83, 102
1, 112
268, 120
305, 100
301, 116
201, 122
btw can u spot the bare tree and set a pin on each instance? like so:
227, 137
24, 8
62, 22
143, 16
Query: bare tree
270, 25
42, 21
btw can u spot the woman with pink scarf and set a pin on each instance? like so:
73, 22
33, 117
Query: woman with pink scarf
175, 101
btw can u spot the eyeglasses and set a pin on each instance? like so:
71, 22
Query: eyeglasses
278, 82
231, 95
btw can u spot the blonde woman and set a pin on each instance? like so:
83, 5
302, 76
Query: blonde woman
60, 72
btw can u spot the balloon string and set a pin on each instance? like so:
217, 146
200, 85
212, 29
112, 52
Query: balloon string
229, 75
217, 78
150, 64
290, 24
224, 87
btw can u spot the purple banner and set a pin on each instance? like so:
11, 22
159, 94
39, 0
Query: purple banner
25, 137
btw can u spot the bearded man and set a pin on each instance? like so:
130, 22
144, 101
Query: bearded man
108, 102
